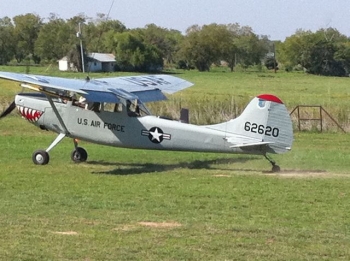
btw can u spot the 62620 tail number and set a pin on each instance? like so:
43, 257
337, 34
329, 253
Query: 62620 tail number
261, 129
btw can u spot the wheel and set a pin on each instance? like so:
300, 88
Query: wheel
40, 157
79, 155
276, 168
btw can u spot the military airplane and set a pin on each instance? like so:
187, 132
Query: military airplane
112, 111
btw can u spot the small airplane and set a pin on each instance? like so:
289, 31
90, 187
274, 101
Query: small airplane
112, 111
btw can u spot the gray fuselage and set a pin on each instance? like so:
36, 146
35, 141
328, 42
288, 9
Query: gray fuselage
118, 128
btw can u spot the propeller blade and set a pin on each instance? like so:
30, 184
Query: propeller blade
8, 110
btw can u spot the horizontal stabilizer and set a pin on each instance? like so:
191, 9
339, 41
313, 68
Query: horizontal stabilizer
254, 144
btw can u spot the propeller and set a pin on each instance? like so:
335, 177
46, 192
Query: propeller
9, 109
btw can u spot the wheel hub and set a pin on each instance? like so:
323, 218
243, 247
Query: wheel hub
39, 158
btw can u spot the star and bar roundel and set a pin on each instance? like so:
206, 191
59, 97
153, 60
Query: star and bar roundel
156, 134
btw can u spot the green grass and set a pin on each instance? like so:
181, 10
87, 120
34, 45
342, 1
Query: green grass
222, 207
228, 207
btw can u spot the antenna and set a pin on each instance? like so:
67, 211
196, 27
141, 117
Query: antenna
110, 10
325, 32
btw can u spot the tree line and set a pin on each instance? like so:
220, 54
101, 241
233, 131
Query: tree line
28, 38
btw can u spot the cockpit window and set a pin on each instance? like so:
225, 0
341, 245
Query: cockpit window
133, 109
136, 109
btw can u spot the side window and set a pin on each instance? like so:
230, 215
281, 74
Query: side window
118, 107
94, 106
113, 107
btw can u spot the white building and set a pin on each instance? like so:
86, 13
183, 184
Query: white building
97, 62
63, 64
101, 62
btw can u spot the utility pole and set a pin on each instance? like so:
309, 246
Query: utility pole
274, 57
81, 48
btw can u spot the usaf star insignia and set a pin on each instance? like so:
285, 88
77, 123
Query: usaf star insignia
156, 135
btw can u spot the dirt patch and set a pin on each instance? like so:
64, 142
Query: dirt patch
160, 224
305, 174
222, 176
70, 233
125, 228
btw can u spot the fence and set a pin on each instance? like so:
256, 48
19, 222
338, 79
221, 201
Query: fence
320, 117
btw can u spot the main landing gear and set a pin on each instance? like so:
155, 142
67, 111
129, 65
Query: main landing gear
79, 154
42, 157
275, 168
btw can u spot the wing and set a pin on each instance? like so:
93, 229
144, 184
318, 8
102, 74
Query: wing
146, 88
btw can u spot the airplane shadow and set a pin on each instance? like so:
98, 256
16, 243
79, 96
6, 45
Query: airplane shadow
134, 168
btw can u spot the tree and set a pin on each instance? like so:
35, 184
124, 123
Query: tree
7, 41
319, 53
98, 33
165, 40
323, 62
343, 56
202, 45
26, 32
296, 49
132, 54
243, 46
251, 50
55, 39
213, 43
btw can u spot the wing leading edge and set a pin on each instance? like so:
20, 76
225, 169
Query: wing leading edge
146, 88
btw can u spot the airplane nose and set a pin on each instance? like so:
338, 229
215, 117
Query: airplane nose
31, 115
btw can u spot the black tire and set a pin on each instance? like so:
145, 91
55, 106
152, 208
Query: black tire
40, 157
79, 155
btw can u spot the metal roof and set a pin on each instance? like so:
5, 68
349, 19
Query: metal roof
102, 57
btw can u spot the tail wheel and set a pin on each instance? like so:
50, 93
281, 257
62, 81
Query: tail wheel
40, 157
79, 155
276, 168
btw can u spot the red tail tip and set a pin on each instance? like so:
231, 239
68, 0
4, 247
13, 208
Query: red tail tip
270, 97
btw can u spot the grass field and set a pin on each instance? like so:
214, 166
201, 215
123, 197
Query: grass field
150, 205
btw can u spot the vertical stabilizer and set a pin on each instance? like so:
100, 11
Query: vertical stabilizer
264, 123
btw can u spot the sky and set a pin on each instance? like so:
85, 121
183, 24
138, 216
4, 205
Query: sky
277, 19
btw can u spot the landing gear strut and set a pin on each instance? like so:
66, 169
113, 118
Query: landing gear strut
275, 168
41, 157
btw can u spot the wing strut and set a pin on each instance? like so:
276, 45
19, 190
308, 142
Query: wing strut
53, 106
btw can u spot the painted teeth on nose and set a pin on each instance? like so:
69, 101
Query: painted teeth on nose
20, 108
31, 115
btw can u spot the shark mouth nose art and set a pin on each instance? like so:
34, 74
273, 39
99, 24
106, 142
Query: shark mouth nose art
31, 115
